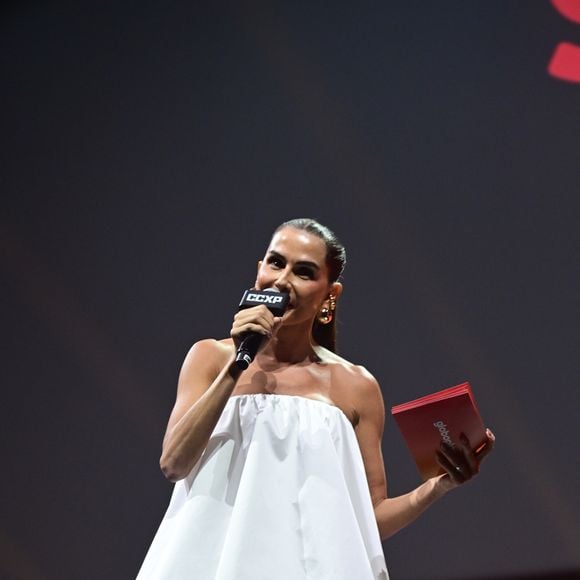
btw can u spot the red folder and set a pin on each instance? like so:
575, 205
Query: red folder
441, 416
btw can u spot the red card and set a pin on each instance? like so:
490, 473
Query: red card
441, 416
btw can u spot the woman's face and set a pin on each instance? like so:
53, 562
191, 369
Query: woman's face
295, 262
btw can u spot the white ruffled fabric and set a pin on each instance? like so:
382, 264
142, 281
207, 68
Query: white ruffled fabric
280, 493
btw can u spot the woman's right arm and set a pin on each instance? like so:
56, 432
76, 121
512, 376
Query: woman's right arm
202, 393
207, 379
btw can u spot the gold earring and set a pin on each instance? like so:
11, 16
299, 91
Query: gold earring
327, 312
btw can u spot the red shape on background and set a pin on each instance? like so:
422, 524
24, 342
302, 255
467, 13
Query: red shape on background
568, 8
565, 63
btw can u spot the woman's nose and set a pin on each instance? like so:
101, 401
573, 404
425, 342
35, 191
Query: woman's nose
282, 281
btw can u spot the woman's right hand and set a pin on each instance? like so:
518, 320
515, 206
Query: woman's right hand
256, 319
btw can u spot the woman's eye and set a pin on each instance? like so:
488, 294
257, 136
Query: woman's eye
305, 273
275, 262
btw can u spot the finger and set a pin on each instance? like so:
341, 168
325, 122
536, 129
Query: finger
239, 331
454, 471
264, 317
277, 324
240, 326
254, 315
456, 463
488, 446
490, 437
468, 454
456, 457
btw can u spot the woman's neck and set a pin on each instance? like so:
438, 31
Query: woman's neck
290, 345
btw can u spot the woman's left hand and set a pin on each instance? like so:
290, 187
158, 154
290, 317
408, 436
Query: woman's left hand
461, 462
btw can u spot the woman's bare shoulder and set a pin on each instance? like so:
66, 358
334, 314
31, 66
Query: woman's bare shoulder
354, 389
221, 344
347, 372
210, 350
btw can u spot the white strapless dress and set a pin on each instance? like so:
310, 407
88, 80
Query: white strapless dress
280, 493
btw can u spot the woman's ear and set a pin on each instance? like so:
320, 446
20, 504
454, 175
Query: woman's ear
257, 273
336, 289
333, 294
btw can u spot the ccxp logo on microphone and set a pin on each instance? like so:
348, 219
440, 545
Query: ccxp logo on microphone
268, 298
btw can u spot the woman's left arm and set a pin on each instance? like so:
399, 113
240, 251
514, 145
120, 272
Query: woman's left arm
460, 464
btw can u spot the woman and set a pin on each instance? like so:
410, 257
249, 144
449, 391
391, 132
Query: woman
274, 464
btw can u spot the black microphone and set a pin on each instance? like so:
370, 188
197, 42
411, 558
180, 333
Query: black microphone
276, 302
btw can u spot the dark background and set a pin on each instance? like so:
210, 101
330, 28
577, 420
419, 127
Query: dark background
148, 151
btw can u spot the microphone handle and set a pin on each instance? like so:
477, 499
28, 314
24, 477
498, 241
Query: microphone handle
248, 349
